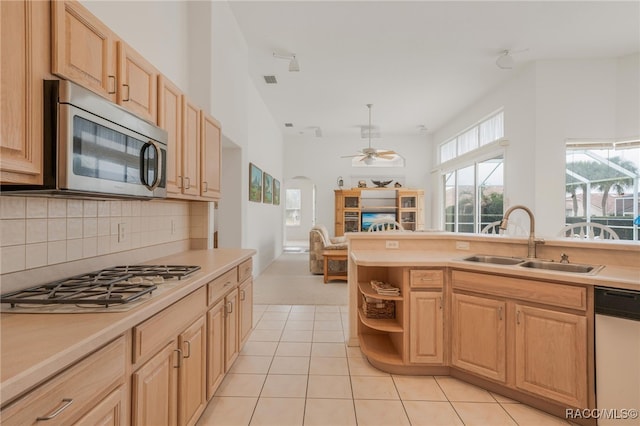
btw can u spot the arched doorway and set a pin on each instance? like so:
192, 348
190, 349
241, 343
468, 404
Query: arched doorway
299, 213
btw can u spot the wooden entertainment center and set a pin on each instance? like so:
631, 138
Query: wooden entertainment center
406, 205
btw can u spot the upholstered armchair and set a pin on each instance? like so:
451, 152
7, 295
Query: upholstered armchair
319, 241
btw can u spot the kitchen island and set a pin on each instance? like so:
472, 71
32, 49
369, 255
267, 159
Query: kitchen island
523, 332
43, 354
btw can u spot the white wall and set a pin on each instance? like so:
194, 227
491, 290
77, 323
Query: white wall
545, 104
319, 160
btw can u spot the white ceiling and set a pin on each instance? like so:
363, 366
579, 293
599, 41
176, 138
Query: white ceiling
418, 62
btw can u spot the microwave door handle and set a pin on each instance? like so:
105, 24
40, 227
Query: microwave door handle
144, 168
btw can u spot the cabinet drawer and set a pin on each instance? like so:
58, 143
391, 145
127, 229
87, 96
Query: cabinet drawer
217, 288
555, 294
150, 335
244, 270
72, 393
426, 278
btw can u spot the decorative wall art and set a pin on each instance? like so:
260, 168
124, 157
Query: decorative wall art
267, 188
255, 183
276, 192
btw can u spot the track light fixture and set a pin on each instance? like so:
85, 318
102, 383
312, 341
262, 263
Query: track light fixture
505, 60
294, 65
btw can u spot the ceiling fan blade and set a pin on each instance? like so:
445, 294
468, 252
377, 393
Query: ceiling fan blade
386, 157
350, 156
388, 152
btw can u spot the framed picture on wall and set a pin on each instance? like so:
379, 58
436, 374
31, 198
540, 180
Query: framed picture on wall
255, 183
276, 192
267, 188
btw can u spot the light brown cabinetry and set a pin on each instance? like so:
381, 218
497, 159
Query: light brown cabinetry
79, 391
231, 319
245, 297
426, 316
87, 52
84, 49
137, 83
170, 119
210, 156
551, 358
479, 335
408, 208
215, 347
111, 411
25, 62
175, 375
190, 148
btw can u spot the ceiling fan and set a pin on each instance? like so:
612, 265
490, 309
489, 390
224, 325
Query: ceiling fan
369, 154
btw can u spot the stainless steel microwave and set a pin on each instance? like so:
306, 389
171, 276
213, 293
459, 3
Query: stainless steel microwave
95, 148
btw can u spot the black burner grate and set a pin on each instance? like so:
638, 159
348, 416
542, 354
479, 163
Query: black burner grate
111, 286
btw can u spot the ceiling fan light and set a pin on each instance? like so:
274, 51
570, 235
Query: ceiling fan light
369, 160
505, 61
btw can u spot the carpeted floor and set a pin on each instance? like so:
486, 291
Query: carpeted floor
287, 281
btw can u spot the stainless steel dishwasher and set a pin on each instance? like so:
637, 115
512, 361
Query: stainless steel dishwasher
617, 328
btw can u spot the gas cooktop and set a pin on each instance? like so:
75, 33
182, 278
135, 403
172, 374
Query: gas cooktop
108, 289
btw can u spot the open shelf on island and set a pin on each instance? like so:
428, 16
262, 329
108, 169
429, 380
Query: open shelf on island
388, 325
367, 290
379, 347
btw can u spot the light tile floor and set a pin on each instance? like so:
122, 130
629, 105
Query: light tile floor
295, 369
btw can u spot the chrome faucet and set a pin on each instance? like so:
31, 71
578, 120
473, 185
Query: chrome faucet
531, 245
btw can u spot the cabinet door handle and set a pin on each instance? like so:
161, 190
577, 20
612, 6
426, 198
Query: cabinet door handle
242, 295
188, 179
518, 317
440, 302
181, 181
128, 93
229, 308
188, 349
206, 186
115, 85
66, 402
179, 358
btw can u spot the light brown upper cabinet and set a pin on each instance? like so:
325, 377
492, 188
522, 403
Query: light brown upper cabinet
210, 153
84, 49
137, 83
190, 148
25, 62
87, 52
170, 119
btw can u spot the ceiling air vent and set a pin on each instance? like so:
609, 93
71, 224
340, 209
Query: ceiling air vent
270, 79
288, 124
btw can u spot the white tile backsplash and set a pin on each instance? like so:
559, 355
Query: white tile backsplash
38, 231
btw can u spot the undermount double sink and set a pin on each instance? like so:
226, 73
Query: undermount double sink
549, 265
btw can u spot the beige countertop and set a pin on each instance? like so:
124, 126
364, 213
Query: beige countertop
36, 346
609, 276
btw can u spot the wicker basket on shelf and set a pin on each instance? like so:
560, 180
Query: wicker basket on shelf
378, 309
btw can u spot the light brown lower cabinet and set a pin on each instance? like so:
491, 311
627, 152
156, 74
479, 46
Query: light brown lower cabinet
215, 347
111, 411
426, 332
170, 388
70, 396
231, 319
479, 341
246, 309
551, 354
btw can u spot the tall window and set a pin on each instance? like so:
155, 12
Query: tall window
601, 186
480, 134
473, 188
292, 207
473, 195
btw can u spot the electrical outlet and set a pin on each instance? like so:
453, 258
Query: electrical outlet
462, 245
121, 232
392, 244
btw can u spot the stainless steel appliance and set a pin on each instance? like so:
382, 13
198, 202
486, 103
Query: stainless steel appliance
93, 147
617, 355
113, 289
